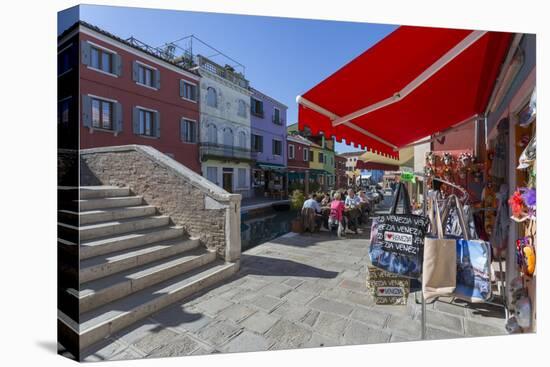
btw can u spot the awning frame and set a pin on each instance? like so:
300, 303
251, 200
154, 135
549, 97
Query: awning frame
450, 55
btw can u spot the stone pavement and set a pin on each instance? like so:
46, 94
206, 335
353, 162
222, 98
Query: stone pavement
296, 291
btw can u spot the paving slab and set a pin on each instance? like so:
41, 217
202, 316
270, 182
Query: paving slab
287, 335
331, 325
265, 302
219, 332
260, 322
246, 342
179, 346
328, 305
370, 316
236, 312
359, 333
214, 305
291, 311
156, 340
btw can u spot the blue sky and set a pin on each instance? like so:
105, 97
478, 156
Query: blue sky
284, 57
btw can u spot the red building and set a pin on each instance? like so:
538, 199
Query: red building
130, 93
340, 171
298, 160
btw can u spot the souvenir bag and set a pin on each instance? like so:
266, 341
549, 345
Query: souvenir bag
473, 264
397, 240
439, 266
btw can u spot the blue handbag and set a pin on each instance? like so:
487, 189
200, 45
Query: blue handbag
473, 264
397, 240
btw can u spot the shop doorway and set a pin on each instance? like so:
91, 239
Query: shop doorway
227, 181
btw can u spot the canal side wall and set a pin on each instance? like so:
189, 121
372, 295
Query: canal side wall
205, 210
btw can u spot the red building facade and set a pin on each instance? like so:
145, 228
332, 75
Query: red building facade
131, 96
340, 171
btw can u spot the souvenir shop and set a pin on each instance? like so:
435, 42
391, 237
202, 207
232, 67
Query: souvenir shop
472, 239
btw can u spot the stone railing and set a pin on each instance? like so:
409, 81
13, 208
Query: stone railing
204, 210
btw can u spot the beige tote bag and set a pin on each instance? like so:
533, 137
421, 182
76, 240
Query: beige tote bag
439, 266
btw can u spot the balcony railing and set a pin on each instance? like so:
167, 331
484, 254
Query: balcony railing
225, 72
225, 151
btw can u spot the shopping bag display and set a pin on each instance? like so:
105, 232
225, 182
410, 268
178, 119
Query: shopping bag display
397, 240
473, 265
387, 288
439, 266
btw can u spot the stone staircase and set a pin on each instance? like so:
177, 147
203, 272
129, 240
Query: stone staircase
132, 262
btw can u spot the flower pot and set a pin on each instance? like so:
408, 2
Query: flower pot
296, 225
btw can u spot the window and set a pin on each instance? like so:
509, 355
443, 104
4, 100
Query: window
102, 114
241, 177
321, 157
312, 156
242, 139
257, 143
212, 174
101, 60
212, 134
188, 90
63, 113
65, 60
277, 146
277, 116
211, 97
306, 154
188, 131
257, 107
291, 151
228, 137
146, 123
241, 108
145, 75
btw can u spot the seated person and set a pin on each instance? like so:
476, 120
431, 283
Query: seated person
336, 217
311, 213
326, 200
352, 202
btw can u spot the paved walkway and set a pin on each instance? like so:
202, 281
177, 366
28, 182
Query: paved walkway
296, 291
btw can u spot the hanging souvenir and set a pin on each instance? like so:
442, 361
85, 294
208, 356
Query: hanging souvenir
428, 171
477, 173
431, 158
529, 154
465, 160
523, 203
447, 173
447, 159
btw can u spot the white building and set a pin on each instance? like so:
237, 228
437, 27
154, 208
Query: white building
225, 127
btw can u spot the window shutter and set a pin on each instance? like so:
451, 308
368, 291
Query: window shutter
135, 71
193, 126
118, 117
157, 124
86, 111
85, 49
118, 65
182, 86
195, 90
182, 127
135, 120
157, 79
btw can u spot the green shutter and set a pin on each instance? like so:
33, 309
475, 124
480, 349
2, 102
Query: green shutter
135, 120
86, 111
157, 79
135, 71
118, 64
118, 117
157, 124
182, 86
85, 52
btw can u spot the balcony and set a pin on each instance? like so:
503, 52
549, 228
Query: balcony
227, 72
224, 152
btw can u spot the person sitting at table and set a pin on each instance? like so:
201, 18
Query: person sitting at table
311, 216
352, 203
336, 217
326, 200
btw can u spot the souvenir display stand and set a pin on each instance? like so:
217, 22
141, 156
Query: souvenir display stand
410, 177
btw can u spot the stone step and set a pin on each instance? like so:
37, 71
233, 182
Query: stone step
96, 192
112, 228
126, 241
105, 265
112, 317
104, 215
102, 291
105, 203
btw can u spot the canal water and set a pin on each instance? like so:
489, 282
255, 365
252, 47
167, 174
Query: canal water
258, 228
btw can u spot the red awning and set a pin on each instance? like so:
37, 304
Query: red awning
376, 166
415, 82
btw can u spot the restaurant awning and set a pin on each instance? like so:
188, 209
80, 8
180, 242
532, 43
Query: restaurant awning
415, 82
371, 158
272, 166
376, 166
